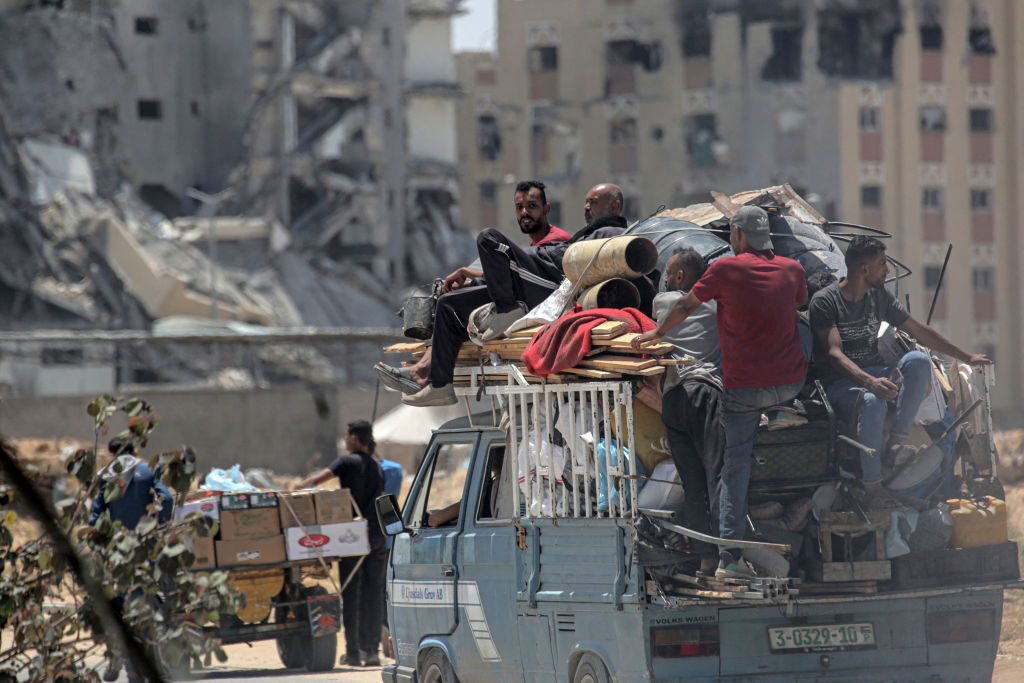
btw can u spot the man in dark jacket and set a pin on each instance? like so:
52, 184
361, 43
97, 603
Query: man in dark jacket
138, 483
529, 275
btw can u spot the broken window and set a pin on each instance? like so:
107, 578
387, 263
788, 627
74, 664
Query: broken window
543, 58
931, 276
786, 58
488, 192
979, 33
981, 120
871, 197
858, 40
555, 214
696, 23
790, 125
541, 148
931, 199
933, 118
193, 107
981, 199
983, 279
146, 26
702, 141
488, 137
619, 67
150, 109
870, 119
931, 37
623, 131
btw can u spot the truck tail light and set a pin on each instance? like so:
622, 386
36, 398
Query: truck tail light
966, 626
669, 642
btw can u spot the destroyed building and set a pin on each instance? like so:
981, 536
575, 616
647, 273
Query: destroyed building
266, 162
895, 114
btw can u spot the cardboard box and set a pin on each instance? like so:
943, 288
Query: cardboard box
332, 540
206, 506
333, 506
245, 524
298, 505
202, 548
250, 551
245, 501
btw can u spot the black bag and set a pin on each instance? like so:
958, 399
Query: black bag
417, 313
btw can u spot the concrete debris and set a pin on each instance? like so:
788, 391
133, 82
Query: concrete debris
52, 167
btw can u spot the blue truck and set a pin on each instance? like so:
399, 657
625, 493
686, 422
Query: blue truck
524, 584
524, 551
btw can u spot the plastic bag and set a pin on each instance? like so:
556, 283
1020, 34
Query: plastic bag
547, 310
611, 449
226, 480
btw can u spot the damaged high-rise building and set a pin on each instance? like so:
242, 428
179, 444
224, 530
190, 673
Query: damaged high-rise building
896, 114
285, 162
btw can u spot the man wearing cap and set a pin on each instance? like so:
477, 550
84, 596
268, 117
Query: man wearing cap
763, 363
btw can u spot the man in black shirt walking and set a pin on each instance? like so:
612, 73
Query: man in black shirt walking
363, 597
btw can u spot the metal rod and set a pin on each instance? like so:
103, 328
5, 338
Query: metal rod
938, 285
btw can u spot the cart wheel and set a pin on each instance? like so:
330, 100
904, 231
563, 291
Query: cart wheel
321, 651
291, 649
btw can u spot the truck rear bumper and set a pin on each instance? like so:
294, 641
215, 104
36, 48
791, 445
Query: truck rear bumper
394, 673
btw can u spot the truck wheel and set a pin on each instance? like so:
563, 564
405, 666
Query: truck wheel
435, 668
590, 670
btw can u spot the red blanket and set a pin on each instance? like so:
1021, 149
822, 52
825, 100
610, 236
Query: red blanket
563, 343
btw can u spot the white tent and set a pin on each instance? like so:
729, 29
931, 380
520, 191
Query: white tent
405, 425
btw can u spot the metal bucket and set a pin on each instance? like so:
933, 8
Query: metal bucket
613, 293
626, 256
418, 314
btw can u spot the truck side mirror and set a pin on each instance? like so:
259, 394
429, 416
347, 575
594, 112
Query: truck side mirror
387, 512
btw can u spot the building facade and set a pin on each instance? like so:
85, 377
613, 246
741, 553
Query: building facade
900, 115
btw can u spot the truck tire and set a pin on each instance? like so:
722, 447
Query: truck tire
590, 670
435, 668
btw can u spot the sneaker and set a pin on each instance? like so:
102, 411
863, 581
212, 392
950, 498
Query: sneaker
371, 660
730, 567
349, 660
495, 324
431, 396
112, 673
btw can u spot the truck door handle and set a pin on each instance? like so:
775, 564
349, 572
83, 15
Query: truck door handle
448, 572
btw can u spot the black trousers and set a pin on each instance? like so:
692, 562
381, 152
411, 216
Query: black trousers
363, 599
690, 412
512, 275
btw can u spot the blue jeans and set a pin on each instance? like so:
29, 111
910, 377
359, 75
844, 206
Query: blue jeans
741, 414
916, 368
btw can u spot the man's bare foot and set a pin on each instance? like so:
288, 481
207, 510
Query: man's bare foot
420, 372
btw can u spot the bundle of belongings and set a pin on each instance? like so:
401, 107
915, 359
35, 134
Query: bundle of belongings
853, 515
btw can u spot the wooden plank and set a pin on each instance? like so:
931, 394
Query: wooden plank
622, 344
668, 362
617, 363
877, 570
595, 374
406, 347
609, 329
649, 372
526, 332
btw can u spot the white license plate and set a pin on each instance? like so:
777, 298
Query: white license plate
821, 637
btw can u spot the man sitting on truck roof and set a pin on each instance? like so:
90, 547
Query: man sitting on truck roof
845, 317
515, 279
763, 364
690, 405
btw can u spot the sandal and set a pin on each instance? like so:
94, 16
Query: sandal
398, 379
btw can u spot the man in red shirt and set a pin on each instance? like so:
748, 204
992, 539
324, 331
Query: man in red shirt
763, 364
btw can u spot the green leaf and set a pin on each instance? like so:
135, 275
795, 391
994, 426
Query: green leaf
133, 407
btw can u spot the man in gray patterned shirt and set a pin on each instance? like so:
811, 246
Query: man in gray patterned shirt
845, 317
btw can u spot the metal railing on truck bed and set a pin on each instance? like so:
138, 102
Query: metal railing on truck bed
580, 472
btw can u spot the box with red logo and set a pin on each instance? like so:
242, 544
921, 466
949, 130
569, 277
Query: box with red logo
210, 507
330, 540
